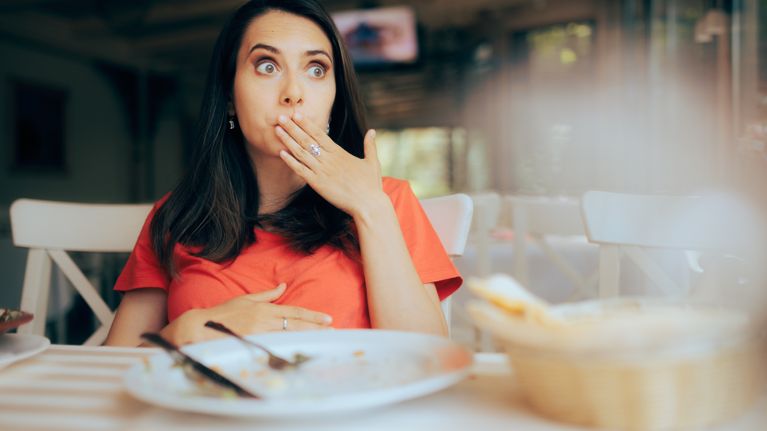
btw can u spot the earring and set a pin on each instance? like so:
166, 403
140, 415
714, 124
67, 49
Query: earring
327, 129
231, 124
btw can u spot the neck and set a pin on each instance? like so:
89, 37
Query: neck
276, 182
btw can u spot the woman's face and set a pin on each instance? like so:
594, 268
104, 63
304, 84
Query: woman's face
284, 65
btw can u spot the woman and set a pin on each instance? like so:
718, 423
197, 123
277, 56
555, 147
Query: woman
283, 222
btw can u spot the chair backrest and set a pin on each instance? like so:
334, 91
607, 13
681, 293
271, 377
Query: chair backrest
451, 217
704, 222
544, 215
625, 224
49, 229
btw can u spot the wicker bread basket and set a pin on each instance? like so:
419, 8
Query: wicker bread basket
662, 366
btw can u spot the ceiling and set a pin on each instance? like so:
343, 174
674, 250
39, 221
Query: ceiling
176, 35
175, 38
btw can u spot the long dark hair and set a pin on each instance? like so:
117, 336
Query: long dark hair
214, 208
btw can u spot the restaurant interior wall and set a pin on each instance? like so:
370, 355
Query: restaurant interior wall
498, 128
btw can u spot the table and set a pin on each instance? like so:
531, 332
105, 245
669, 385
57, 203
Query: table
80, 388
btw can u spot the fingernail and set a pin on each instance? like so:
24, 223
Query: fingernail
281, 286
279, 129
298, 116
372, 133
283, 119
327, 319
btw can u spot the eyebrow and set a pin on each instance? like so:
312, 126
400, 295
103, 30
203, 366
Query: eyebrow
274, 50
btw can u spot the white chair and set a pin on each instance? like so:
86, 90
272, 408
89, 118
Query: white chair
451, 218
539, 217
49, 229
628, 225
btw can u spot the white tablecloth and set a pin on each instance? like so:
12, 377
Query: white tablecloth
80, 388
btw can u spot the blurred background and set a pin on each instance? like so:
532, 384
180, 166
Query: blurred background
545, 98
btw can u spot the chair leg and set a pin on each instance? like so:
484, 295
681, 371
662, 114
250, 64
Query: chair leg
484, 262
519, 258
609, 271
34, 293
447, 312
83, 286
98, 337
655, 272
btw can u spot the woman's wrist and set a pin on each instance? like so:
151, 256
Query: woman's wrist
372, 207
186, 328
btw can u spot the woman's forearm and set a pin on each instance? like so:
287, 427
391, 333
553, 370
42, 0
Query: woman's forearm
140, 310
397, 299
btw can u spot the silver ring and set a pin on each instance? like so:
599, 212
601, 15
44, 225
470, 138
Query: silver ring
315, 150
284, 323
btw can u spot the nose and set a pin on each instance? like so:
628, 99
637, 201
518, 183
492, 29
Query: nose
292, 92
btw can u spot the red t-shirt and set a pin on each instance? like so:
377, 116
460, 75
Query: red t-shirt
327, 281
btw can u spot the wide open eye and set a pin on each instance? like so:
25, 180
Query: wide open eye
266, 68
317, 71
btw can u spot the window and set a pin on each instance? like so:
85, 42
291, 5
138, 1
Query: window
551, 104
38, 127
423, 156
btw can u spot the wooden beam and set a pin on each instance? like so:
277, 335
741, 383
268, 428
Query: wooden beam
178, 40
15, 6
171, 11
45, 32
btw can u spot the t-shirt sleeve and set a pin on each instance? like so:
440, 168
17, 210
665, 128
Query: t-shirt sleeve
430, 259
143, 269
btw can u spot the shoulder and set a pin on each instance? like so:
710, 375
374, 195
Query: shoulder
401, 195
156, 206
395, 187
160, 202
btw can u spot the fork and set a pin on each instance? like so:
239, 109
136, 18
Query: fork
275, 362
195, 369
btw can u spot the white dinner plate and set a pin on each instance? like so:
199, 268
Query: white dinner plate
15, 347
349, 370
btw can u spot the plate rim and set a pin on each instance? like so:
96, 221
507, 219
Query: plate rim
42, 344
279, 409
